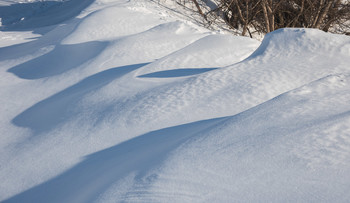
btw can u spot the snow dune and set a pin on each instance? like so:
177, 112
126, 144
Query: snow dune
126, 102
61, 59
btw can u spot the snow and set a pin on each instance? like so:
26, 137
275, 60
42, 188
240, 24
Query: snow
127, 101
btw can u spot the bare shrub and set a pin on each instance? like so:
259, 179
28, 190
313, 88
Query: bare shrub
265, 16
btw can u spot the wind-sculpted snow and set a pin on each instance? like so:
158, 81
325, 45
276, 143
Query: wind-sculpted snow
233, 89
296, 42
59, 60
50, 112
113, 26
128, 102
100, 170
30, 15
151, 44
294, 146
223, 49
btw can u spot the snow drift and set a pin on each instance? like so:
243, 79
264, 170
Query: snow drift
129, 102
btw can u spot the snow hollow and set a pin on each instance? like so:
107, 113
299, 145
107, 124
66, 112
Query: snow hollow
128, 101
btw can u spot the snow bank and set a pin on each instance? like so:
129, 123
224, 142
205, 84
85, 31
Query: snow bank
295, 146
223, 49
113, 26
128, 102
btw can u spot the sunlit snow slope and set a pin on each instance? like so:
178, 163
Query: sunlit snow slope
126, 101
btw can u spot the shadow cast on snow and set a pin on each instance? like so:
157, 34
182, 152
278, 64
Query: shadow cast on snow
52, 111
176, 73
28, 16
86, 180
61, 59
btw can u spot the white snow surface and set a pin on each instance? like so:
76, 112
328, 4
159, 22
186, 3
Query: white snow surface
125, 101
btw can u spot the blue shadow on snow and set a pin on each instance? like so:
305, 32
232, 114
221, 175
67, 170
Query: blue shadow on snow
54, 110
27, 16
94, 175
176, 73
61, 59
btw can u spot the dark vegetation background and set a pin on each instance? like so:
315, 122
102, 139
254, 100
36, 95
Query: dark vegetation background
264, 16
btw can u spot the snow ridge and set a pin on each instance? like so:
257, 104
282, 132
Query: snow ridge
122, 101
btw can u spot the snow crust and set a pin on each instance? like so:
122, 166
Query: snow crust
125, 101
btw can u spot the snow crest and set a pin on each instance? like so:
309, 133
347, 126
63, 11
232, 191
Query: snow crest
125, 101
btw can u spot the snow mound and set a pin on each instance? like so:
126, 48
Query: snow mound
61, 59
113, 26
295, 146
233, 89
151, 44
224, 49
127, 102
289, 42
267, 153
